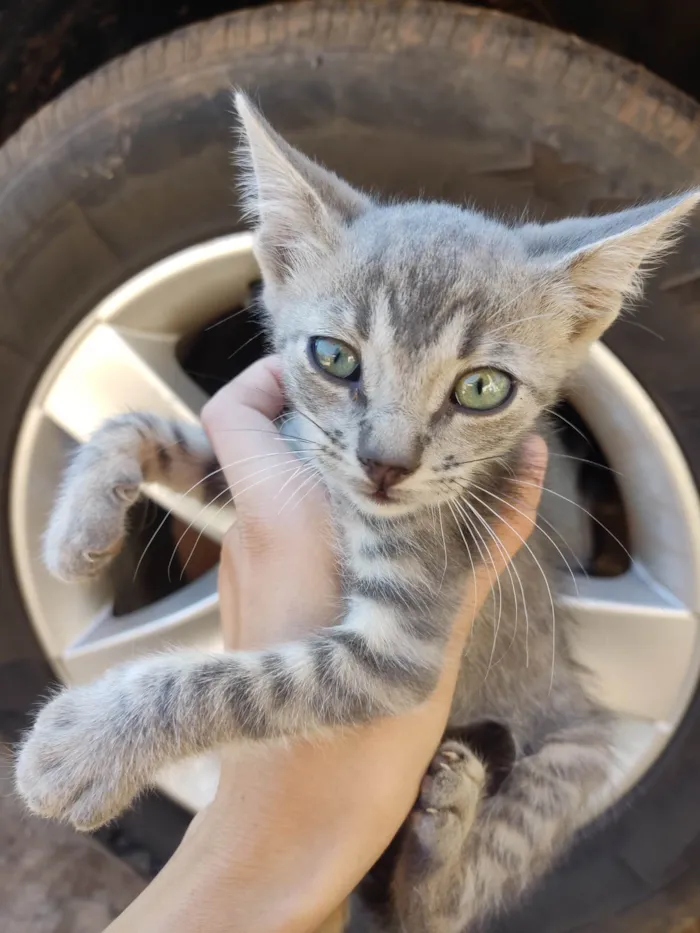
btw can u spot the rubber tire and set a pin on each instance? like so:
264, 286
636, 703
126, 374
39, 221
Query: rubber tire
133, 163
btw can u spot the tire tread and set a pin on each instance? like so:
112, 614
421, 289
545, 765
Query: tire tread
635, 96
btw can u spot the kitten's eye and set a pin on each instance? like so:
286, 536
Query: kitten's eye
483, 389
335, 357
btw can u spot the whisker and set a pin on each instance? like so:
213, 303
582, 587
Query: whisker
199, 538
542, 520
514, 567
296, 411
477, 539
471, 560
187, 529
624, 320
540, 568
309, 469
521, 320
476, 460
187, 493
303, 414
231, 317
265, 479
275, 434
598, 522
504, 553
594, 463
542, 531
229, 489
444, 544
573, 427
475, 532
308, 492
246, 343
287, 482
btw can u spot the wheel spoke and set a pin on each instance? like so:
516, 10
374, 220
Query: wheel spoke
639, 643
112, 372
176, 297
188, 618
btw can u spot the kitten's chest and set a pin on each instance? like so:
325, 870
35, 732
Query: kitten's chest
406, 555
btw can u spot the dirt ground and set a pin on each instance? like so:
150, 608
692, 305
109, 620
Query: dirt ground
52, 880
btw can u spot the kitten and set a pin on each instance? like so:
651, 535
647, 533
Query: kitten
421, 343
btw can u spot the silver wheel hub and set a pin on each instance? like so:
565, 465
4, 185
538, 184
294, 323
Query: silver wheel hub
638, 632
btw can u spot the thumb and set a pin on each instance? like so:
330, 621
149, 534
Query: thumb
260, 469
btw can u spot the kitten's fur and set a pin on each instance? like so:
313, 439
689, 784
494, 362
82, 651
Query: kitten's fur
425, 292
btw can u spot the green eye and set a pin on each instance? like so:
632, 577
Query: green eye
483, 389
335, 357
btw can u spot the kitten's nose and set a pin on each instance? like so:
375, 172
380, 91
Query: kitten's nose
386, 473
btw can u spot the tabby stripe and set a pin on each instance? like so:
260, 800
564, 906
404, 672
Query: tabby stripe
334, 688
389, 668
280, 679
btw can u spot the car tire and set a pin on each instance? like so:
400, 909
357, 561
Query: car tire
407, 98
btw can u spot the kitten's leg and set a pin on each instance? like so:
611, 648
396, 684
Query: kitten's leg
93, 748
454, 870
88, 523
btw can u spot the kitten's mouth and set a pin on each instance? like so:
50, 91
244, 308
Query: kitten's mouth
384, 501
381, 496
380, 502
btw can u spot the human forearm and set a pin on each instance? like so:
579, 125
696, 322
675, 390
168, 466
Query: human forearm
221, 882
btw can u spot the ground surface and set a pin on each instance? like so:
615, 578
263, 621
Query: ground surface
54, 881
51, 879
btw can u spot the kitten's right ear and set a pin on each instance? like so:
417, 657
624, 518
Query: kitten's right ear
299, 207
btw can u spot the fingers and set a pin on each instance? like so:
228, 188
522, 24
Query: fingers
261, 471
239, 418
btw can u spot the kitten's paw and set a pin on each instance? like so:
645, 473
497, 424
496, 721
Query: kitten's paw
449, 797
86, 529
79, 763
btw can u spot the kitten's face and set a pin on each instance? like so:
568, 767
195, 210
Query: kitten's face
422, 341
421, 353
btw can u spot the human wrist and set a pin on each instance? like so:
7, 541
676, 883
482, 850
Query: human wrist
224, 879
259, 876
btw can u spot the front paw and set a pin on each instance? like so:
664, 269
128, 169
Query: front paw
87, 527
79, 763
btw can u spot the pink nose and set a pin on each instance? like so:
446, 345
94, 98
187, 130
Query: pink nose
385, 473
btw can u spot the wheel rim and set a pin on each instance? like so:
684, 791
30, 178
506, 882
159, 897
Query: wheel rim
639, 632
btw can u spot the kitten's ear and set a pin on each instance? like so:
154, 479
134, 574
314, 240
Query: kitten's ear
300, 208
601, 261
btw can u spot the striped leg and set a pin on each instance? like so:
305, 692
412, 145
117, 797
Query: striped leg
93, 748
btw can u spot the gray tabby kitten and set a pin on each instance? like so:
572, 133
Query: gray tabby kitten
421, 343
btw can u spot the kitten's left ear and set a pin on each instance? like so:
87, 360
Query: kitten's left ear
598, 262
300, 208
